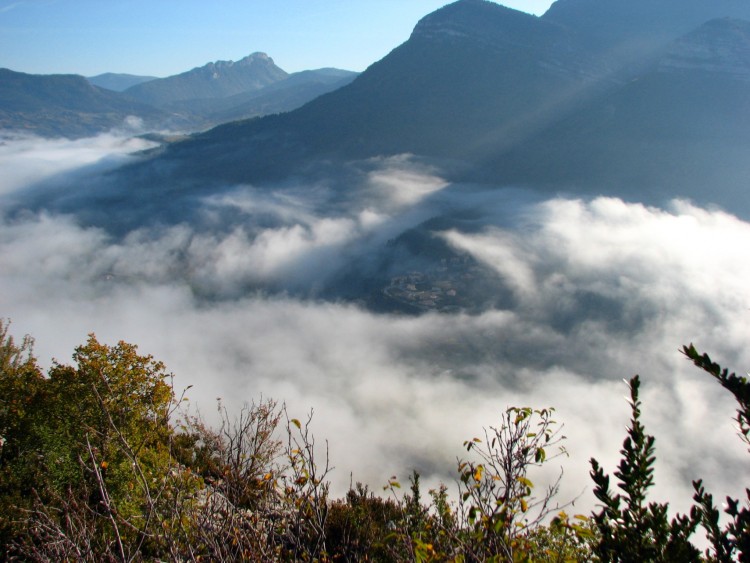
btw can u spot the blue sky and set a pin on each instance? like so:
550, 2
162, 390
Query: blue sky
164, 37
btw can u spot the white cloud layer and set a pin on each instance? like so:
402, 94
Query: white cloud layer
602, 290
25, 160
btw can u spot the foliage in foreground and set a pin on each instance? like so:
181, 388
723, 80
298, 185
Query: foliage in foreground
98, 462
632, 530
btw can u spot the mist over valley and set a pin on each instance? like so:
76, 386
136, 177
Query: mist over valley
505, 210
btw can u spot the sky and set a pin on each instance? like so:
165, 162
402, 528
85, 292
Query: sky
165, 37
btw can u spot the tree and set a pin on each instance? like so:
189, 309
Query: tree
733, 541
21, 383
358, 526
631, 529
89, 447
94, 467
499, 516
497, 497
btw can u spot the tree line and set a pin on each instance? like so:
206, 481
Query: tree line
100, 461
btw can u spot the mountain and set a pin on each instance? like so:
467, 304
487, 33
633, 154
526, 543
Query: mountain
215, 80
472, 75
118, 82
635, 27
494, 95
680, 128
65, 106
73, 106
284, 95
477, 86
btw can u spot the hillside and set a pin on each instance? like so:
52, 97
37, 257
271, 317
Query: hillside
65, 106
633, 28
682, 127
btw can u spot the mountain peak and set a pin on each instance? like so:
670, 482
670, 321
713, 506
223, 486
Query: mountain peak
258, 58
253, 58
494, 26
214, 80
471, 18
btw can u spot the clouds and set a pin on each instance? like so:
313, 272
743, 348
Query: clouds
599, 289
646, 262
399, 182
26, 160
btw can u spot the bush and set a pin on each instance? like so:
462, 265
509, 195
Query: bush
98, 463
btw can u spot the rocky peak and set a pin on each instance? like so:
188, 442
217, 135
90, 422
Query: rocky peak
255, 58
217, 79
250, 60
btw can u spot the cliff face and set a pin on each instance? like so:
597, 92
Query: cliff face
720, 46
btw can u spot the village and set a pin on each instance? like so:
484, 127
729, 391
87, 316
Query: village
443, 288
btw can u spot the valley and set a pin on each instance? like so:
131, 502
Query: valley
504, 209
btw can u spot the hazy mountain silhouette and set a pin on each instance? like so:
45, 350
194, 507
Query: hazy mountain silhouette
635, 27
73, 106
65, 105
284, 95
118, 82
213, 80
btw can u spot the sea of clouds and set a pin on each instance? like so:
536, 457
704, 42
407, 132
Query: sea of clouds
602, 289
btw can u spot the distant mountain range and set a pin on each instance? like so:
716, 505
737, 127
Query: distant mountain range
66, 106
646, 100
277, 96
214, 80
118, 82
72, 106
628, 97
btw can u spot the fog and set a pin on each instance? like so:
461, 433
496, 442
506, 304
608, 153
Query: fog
26, 159
598, 290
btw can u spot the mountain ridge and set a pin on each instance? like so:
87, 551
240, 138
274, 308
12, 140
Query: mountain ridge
65, 105
681, 128
73, 106
719, 45
489, 94
444, 109
118, 82
217, 79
